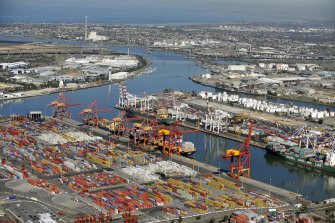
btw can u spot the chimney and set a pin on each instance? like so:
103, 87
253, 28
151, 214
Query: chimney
85, 37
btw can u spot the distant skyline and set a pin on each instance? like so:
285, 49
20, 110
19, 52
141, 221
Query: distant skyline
167, 12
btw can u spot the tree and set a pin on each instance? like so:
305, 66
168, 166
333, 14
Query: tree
225, 218
212, 220
303, 208
180, 219
167, 90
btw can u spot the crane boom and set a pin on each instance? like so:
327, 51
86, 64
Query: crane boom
240, 159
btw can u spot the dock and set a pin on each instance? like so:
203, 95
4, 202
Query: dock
203, 167
224, 135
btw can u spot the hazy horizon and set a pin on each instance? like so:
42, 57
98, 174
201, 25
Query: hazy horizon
166, 12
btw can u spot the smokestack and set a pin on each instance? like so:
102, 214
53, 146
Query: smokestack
85, 37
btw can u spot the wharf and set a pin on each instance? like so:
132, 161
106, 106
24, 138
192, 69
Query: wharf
194, 163
244, 182
265, 117
203, 167
68, 121
270, 189
224, 135
100, 132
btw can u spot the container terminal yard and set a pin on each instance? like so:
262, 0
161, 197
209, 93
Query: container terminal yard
73, 173
133, 168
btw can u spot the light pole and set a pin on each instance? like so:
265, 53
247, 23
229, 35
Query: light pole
270, 186
220, 168
45, 111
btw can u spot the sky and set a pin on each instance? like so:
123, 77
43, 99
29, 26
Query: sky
167, 11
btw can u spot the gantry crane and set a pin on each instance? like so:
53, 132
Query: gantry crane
142, 134
90, 115
117, 126
240, 159
60, 107
170, 138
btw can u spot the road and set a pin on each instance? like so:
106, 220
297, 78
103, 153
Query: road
45, 199
319, 209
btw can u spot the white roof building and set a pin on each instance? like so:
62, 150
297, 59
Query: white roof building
118, 76
237, 67
95, 37
14, 65
122, 61
46, 218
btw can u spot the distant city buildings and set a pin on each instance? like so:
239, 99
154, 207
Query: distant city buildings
244, 41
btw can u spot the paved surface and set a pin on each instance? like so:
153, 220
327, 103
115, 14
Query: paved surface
68, 201
24, 186
319, 210
28, 211
28, 192
269, 188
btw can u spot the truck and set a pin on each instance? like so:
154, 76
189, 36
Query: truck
330, 200
11, 197
33, 198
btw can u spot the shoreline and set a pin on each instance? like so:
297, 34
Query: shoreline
40, 92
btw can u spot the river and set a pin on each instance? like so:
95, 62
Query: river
172, 71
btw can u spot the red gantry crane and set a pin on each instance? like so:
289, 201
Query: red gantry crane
142, 133
170, 139
60, 107
240, 159
90, 115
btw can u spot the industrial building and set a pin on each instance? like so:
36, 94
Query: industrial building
118, 76
14, 65
93, 36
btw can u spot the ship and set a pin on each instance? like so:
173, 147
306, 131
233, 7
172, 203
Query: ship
308, 157
187, 149
131, 112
